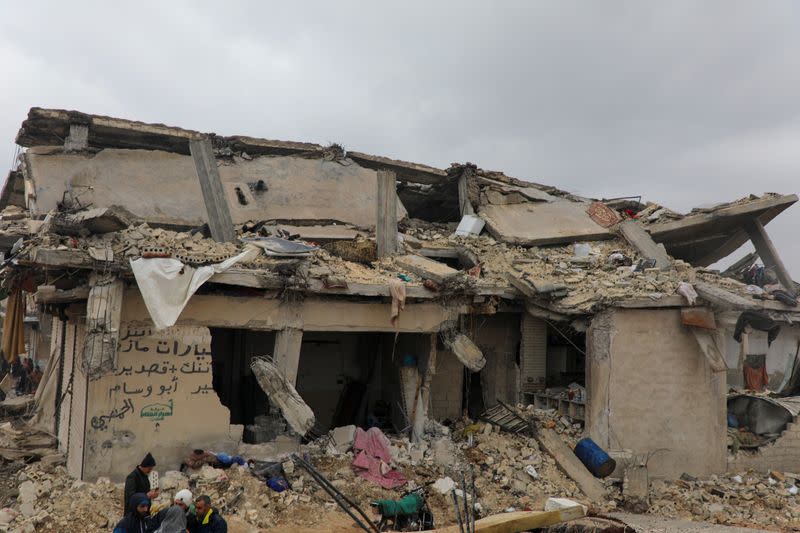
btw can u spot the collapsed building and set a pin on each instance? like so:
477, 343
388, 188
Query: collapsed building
386, 293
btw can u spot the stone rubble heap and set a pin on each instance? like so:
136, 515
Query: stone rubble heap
511, 472
748, 499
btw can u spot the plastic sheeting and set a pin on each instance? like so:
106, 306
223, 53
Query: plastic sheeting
167, 284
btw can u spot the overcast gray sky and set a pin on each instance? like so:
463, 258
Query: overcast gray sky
684, 103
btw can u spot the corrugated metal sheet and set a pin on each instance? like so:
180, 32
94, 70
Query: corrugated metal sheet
534, 354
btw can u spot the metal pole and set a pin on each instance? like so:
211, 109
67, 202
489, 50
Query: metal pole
466, 503
474, 496
458, 512
337, 496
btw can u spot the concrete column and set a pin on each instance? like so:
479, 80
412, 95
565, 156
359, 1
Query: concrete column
386, 213
287, 352
768, 254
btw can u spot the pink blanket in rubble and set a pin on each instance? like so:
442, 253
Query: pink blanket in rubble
372, 459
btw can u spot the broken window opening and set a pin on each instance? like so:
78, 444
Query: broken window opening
234, 383
354, 378
565, 372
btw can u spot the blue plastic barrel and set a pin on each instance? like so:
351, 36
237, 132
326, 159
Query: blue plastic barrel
594, 458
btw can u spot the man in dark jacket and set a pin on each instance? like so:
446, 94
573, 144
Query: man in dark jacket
206, 519
139, 482
135, 521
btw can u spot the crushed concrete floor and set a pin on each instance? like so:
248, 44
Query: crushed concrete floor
42, 497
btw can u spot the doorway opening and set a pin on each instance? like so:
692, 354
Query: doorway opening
232, 350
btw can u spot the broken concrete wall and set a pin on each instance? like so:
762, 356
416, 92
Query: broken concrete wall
650, 388
781, 455
307, 315
498, 337
447, 387
780, 355
160, 400
163, 187
327, 363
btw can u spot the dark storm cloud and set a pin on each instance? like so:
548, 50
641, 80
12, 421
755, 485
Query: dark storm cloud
685, 103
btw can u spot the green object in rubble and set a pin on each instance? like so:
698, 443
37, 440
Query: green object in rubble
406, 505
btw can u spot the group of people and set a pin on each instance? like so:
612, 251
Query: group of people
25, 374
186, 514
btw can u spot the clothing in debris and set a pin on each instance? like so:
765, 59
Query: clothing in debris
198, 458
756, 320
136, 482
212, 522
409, 504
755, 372
173, 521
785, 297
13, 326
373, 457
398, 291
133, 522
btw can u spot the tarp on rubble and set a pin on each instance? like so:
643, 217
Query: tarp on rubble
283, 394
762, 414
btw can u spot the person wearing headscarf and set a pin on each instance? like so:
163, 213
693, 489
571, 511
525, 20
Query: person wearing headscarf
138, 481
183, 500
174, 521
135, 520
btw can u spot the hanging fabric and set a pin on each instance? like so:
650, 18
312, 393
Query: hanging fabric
14, 326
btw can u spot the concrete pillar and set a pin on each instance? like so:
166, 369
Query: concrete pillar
768, 254
287, 352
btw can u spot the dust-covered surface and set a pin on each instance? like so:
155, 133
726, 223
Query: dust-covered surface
511, 472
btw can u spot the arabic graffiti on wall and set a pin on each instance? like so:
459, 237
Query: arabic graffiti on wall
158, 370
101, 422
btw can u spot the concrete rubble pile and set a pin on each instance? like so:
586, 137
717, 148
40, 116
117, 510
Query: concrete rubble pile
748, 499
511, 472
586, 276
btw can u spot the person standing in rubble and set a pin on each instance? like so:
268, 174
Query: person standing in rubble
139, 482
206, 519
135, 520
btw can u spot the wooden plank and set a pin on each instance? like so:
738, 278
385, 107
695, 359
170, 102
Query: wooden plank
386, 214
519, 521
635, 234
699, 317
219, 216
571, 465
287, 352
426, 268
769, 254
